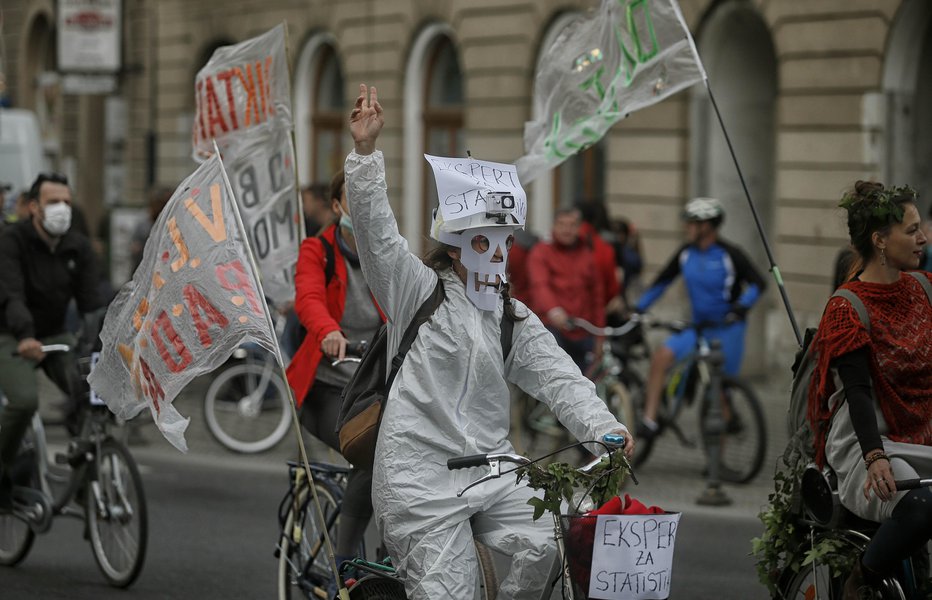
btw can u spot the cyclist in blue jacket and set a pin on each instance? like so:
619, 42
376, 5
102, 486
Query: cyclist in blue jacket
722, 286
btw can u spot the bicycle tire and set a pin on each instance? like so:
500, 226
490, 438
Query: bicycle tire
488, 577
16, 538
296, 578
545, 434
241, 427
378, 587
743, 449
626, 401
815, 581
117, 520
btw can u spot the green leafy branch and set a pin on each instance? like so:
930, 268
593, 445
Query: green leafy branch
779, 549
559, 482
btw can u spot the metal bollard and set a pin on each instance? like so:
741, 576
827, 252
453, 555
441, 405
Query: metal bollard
713, 430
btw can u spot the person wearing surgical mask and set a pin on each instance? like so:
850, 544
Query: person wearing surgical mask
451, 395
44, 264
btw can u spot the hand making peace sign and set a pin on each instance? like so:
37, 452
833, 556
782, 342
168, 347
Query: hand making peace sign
366, 120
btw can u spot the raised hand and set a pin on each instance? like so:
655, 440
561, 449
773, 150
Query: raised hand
366, 120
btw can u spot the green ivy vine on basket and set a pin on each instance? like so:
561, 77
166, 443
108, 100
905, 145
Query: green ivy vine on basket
559, 482
778, 549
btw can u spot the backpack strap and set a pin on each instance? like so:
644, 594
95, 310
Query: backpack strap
508, 328
856, 304
923, 281
329, 266
420, 317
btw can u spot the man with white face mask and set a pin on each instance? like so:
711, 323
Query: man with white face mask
43, 265
450, 397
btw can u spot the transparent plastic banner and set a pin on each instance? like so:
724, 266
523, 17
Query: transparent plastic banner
262, 174
243, 101
627, 56
242, 89
191, 302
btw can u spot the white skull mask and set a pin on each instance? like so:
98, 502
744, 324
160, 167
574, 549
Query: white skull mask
485, 275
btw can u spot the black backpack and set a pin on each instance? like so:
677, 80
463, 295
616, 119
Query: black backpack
365, 395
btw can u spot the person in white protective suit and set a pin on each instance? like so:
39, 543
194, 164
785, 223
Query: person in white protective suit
450, 397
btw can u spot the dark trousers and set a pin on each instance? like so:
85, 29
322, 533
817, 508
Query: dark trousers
319, 414
19, 383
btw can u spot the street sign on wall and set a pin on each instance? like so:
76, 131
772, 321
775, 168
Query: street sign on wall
89, 36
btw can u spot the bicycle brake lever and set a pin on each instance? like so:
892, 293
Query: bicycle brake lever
495, 471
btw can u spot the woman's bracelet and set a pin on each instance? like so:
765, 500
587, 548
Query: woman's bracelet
874, 458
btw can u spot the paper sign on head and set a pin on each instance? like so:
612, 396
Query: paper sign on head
481, 204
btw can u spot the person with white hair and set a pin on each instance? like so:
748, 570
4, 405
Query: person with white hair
722, 286
450, 397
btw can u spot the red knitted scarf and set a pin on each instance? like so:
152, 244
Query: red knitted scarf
900, 342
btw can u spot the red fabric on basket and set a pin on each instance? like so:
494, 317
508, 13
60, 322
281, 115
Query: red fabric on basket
581, 533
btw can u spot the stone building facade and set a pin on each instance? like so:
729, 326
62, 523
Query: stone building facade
815, 95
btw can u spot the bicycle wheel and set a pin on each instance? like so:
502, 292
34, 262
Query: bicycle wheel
16, 540
543, 431
302, 559
816, 581
117, 519
247, 408
488, 577
377, 587
626, 401
744, 442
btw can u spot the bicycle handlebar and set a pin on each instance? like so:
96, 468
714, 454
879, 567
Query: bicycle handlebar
912, 484
610, 441
464, 462
49, 348
644, 320
352, 354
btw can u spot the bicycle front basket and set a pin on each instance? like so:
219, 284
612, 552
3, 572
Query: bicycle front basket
643, 545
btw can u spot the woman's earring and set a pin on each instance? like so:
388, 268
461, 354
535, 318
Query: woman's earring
883, 258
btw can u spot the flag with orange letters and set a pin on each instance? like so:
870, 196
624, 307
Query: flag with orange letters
243, 97
194, 298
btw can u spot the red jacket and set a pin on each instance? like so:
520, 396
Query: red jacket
319, 307
566, 276
604, 261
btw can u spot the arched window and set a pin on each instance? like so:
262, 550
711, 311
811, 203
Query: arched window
327, 117
41, 91
739, 56
907, 83
580, 177
320, 111
443, 113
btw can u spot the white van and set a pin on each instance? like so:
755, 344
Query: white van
21, 156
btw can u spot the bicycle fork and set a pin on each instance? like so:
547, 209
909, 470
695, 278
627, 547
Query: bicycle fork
564, 563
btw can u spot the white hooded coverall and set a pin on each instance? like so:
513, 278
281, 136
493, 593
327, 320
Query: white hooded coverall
450, 398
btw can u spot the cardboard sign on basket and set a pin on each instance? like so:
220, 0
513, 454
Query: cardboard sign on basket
622, 550
632, 556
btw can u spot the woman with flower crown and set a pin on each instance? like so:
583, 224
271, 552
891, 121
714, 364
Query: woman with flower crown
870, 398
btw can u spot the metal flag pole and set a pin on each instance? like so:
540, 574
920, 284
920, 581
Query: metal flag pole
760, 228
344, 593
